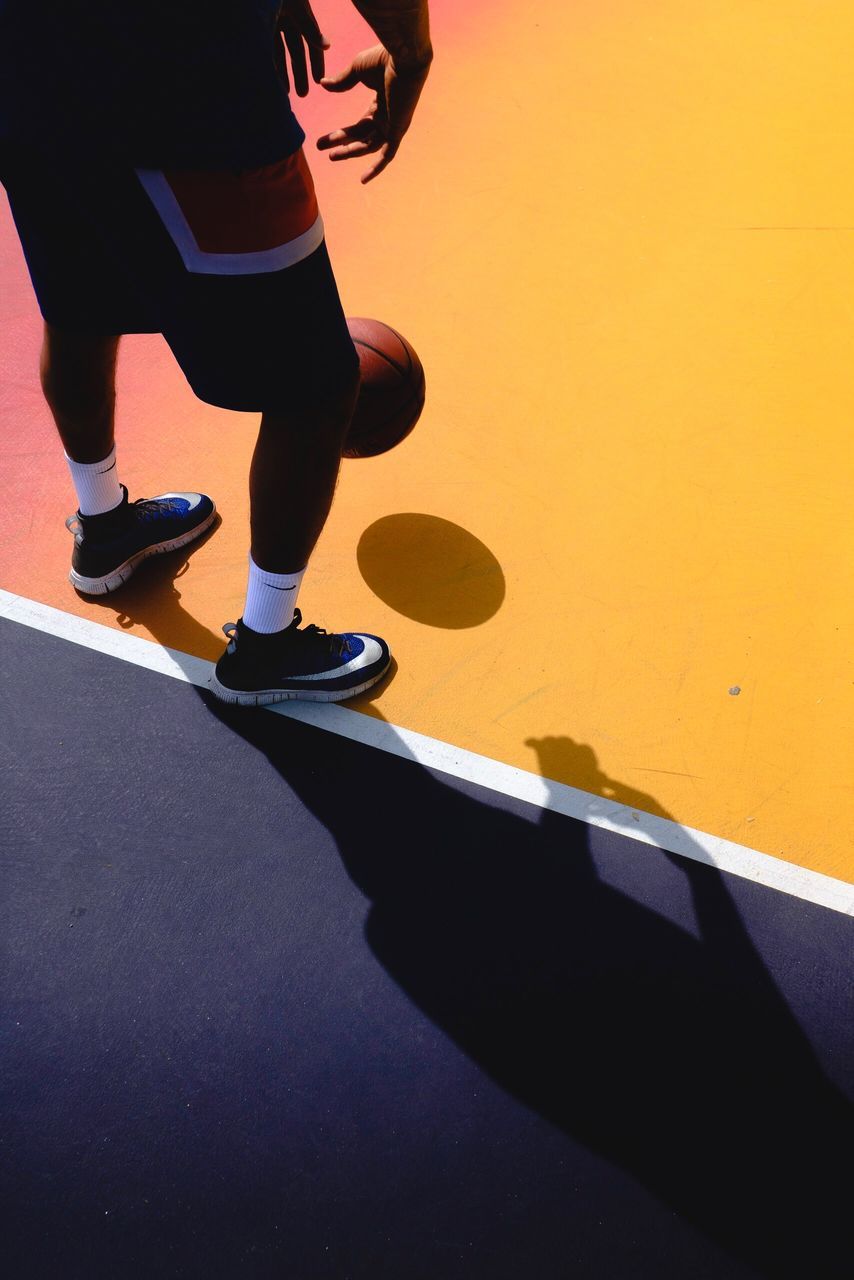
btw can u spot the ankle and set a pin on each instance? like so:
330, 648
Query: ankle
270, 599
96, 484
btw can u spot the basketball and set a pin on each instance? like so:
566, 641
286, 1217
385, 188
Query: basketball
391, 395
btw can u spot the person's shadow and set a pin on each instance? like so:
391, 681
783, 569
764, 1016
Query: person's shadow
672, 1055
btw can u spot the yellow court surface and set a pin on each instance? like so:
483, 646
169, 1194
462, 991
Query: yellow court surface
620, 237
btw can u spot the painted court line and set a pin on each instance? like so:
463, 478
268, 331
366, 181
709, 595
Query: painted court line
662, 833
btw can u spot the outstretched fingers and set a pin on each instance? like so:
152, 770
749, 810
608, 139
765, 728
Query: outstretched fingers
360, 139
387, 153
351, 139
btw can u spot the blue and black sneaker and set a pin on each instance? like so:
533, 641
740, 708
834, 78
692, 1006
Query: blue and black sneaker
108, 547
311, 664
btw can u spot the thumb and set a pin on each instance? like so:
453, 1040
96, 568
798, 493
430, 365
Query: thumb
344, 80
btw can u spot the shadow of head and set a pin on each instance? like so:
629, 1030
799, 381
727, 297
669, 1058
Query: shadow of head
431, 570
560, 759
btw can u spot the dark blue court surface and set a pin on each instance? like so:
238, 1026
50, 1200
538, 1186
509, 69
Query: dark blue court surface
278, 1005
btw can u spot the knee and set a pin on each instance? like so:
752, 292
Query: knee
339, 404
77, 375
326, 415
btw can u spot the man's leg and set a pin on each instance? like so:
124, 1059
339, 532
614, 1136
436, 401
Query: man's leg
291, 485
78, 378
292, 480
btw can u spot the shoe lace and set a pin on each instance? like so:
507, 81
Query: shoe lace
146, 509
340, 645
151, 508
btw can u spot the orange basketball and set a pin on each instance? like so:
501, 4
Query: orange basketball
391, 395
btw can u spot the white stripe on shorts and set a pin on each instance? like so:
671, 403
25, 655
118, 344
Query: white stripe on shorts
222, 264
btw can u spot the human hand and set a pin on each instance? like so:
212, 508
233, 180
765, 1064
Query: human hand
299, 26
383, 125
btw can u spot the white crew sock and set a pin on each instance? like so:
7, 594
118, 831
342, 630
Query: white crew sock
97, 484
270, 599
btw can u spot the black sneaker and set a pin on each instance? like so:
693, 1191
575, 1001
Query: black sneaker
108, 548
310, 664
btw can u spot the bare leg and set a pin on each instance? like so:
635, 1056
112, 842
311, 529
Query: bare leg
294, 467
78, 378
292, 480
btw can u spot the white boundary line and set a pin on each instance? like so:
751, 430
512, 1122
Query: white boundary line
738, 860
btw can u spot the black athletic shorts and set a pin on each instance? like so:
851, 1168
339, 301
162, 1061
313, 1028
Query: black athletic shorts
230, 266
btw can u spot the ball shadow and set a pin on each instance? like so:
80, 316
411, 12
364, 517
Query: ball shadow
431, 570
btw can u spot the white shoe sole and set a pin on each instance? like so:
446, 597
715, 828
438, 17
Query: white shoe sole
117, 577
264, 697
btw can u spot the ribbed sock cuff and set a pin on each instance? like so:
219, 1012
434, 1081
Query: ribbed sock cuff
96, 484
270, 599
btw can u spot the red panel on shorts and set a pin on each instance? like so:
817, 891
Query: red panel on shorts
249, 210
